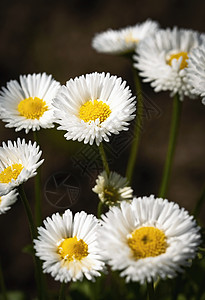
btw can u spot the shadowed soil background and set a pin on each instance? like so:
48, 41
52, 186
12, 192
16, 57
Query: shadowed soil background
55, 37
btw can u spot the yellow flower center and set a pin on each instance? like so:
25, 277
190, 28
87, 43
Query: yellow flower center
182, 54
147, 242
92, 110
111, 195
11, 172
71, 249
0, 200
32, 108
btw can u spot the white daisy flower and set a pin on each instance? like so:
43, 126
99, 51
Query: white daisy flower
162, 60
68, 245
148, 239
112, 189
28, 104
18, 162
7, 200
196, 71
93, 106
123, 40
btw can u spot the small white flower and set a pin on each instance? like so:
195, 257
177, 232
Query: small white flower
7, 200
196, 71
162, 60
28, 104
18, 162
93, 106
112, 189
148, 239
69, 247
124, 40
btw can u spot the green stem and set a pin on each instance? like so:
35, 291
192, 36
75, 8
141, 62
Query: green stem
137, 129
150, 291
33, 232
28, 211
107, 170
62, 292
104, 159
199, 204
177, 107
38, 200
2, 285
38, 206
36, 137
100, 209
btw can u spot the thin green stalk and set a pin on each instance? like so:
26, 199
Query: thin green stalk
33, 232
38, 206
36, 137
150, 291
104, 159
62, 292
107, 170
100, 209
38, 200
199, 204
28, 211
2, 285
137, 129
177, 108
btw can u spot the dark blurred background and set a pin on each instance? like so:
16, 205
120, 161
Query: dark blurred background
55, 37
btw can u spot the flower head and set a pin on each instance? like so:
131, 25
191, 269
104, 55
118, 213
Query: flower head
18, 162
7, 200
124, 40
148, 239
69, 247
93, 106
162, 60
196, 71
112, 189
28, 104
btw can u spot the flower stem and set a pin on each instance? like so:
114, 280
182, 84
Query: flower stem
137, 129
38, 207
28, 211
2, 285
62, 292
150, 291
177, 107
199, 204
33, 232
100, 209
104, 159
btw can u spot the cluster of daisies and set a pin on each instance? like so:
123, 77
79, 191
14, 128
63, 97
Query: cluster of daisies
144, 238
170, 59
